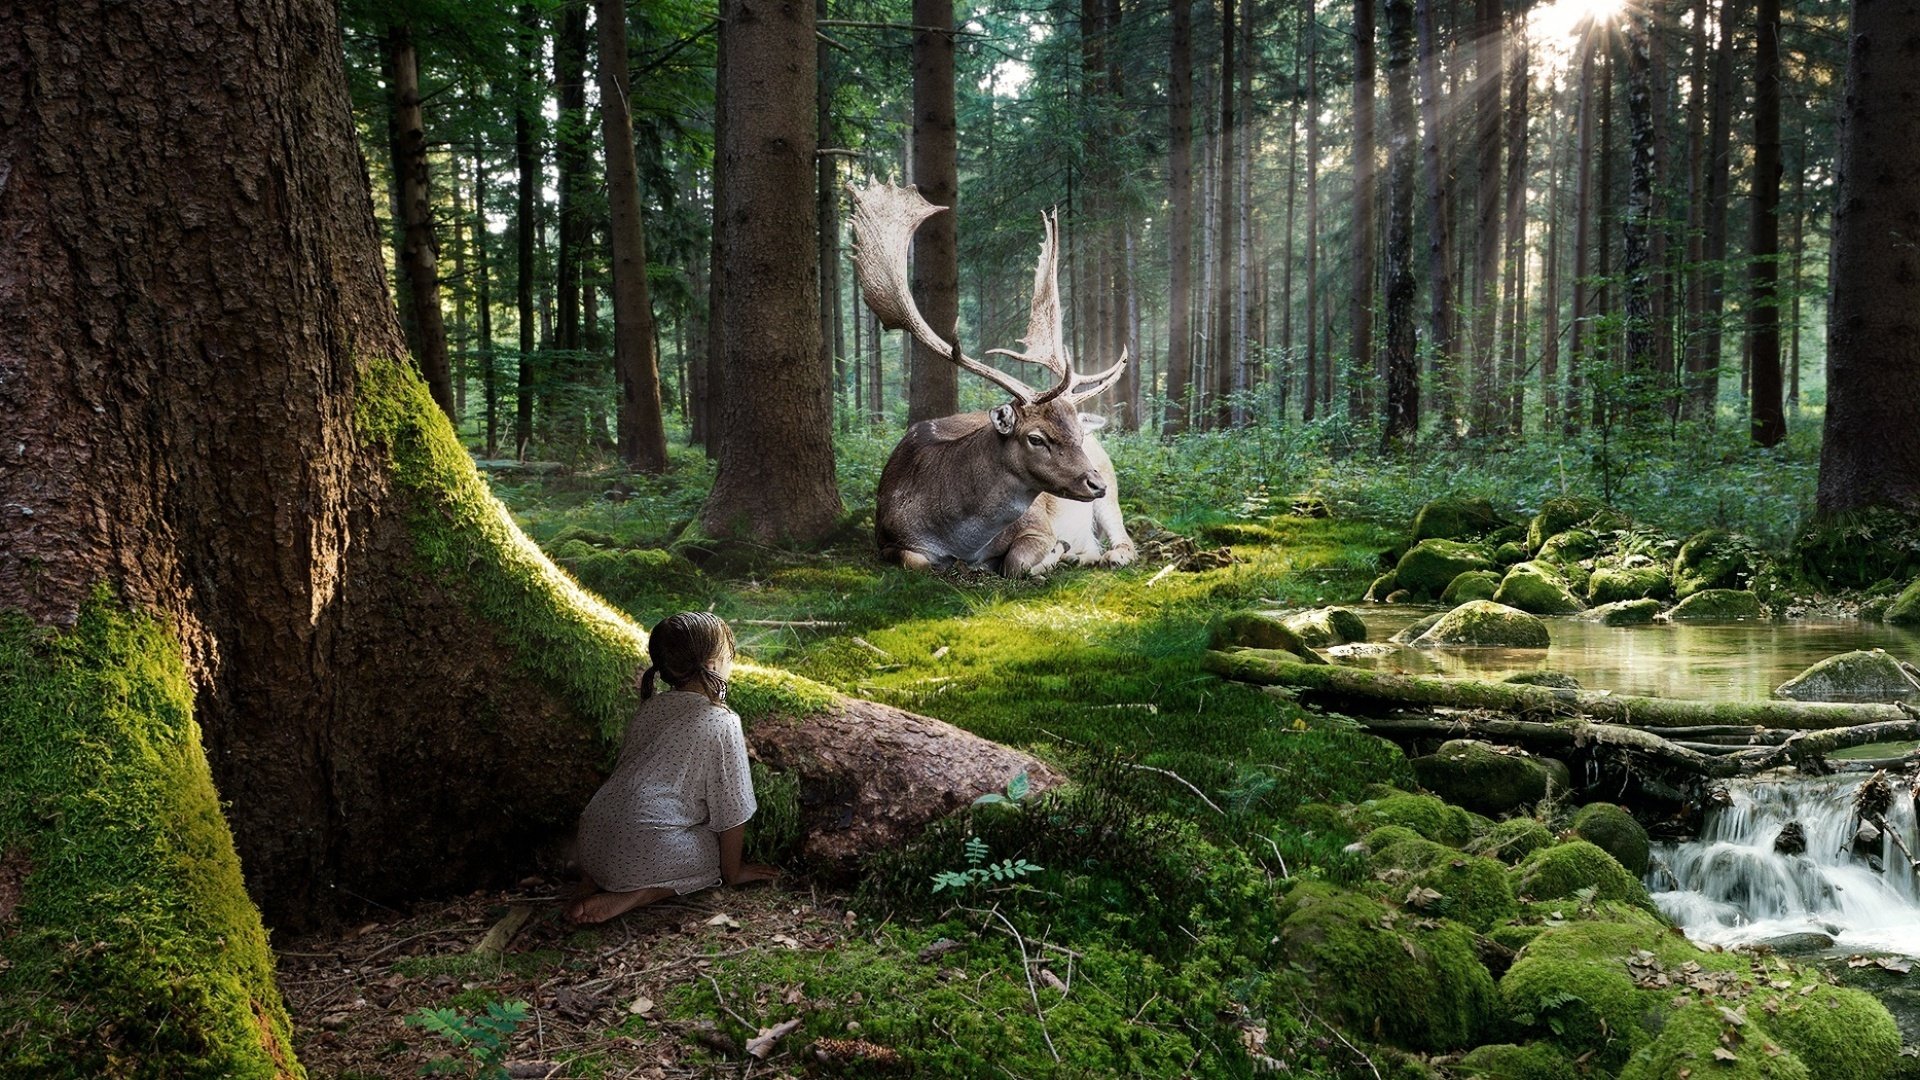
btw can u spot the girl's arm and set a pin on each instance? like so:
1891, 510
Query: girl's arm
732, 870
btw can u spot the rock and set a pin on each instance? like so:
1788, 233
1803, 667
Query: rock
1612, 584
1511, 552
1862, 675
1515, 838
1432, 818
1561, 871
1712, 559
1326, 626
1536, 588
1484, 622
1799, 944
1473, 774
1556, 680
1382, 586
1472, 585
1569, 547
1362, 650
1401, 596
1719, 604
1615, 832
1622, 613
1791, 839
1258, 630
1412, 631
1556, 516
1455, 517
1431, 565
1508, 1061
1905, 609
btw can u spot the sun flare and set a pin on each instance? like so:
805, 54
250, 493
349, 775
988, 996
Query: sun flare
1566, 20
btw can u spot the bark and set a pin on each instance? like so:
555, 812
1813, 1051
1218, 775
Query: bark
1179, 388
1601, 365
1303, 47
1693, 327
419, 253
1243, 224
573, 159
1767, 419
1365, 238
1514, 263
1220, 355
1440, 345
1868, 456
1550, 293
775, 482
642, 434
526, 156
934, 382
1795, 279
1581, 309
1403, 371
1719, 183
1310, 398
826, 193
483, 301
713, 384
1637, 266
1486, 273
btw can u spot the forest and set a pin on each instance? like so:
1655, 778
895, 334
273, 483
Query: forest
1373, 539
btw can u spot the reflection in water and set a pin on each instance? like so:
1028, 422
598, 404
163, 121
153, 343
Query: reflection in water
1740, 661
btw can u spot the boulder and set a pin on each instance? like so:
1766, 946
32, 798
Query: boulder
1806, 941
1326, 626
1480, 777
1484, 622
1562, 871
1615, 832
1862, 675
1514, 839
1456, 517
1712, 559
1556, 516
1905, 609
1538, 589
1382, 586
1509, 1061
1612, 584
1431, 565
1472, 585
1511, 552
1622, 613
1719, 604
1401, 596
1259, 630
1412, 631
1569, 547
1553, 680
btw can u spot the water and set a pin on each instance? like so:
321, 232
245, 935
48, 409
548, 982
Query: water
1740, 661
1729, 887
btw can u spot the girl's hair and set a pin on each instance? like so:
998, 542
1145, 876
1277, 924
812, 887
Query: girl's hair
686, 647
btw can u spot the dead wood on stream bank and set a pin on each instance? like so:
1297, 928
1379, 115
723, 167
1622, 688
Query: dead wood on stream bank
1715, 740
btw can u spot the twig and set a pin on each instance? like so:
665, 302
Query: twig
722, 999
810, 624
1284, 872
1164, 571
1343, 1039
1026, 968
1182, 779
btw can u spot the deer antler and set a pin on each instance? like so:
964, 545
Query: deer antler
1046, 337
884, 220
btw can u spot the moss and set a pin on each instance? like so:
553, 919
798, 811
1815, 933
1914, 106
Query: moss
1571, 986
1383, 586
1327, 626
1611, 584
1718, 605
1424, 814
1569, 548
1474, 775
1473, 889
1905, 609
1514, 936
1514, 839
1506, 1061
1472, 585
1431, 565
1614, 831
1456, 517
1837, 1032
1558, 515
1484, 622
1385, 836
1861, 675
1239, 534
1713, 559
1689, 1038
1257, 630
1513, 551
1562, 871
627, 575
1552, 680
1537, 588
593, 538
133, 949
1413, 630
1623, 613
1415, 982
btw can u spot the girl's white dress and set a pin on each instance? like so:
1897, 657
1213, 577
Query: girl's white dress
681, 781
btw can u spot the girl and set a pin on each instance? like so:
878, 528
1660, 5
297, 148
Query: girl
672, 817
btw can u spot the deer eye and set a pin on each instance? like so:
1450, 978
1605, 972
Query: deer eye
1037, 440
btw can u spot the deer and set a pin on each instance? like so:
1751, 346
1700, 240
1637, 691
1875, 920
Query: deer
1016, 488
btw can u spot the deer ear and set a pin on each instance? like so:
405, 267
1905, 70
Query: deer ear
1003, 417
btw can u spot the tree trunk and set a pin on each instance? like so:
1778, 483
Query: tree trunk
1365, 238
1550, 293
1768, 418
426, 329
709, 404
642, 433
1693, 325
1602, 373
1719, 183
1514, 261
933, 385
1637, 266
1868, 456
1310, 390
826, 193
1403, 366
1794, 278
1244, 257
1303, 46
1487, 114
1440, 345
775, 482
483, 300
526, 156
573, 159
1179, 389
1578, 361
1220, 355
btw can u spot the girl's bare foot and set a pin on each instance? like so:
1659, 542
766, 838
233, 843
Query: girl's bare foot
602, 906
752, 872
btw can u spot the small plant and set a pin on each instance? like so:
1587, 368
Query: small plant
483, 1037
1016, 790
979, 870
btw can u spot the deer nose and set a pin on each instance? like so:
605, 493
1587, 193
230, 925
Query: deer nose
1093, 484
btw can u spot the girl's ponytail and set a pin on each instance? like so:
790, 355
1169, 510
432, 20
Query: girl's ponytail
646, 681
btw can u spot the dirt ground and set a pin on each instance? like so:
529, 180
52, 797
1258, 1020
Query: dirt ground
597, 996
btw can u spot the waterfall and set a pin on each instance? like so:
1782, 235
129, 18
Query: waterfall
1731, 887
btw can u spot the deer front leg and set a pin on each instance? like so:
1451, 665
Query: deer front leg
1029, 546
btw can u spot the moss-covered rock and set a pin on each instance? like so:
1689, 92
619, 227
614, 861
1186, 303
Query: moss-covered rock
1690, 1036
1861, 675
1569, 548
1239, 534
1382, 587
1614, 831
1718, 604
1411, 632
1553, 680
1513, 840
1484, 622
1477, 776
1905, 609
1259, 630
623, 575
1456, 517
1712, 559
1558, 515
1507, 1061
1623, 613
1837, 1032
1326, 626
1513, 551
1562, 871
1474, 890
1537, 588
1419, 981
1472, 585
589, 537
1431, 565
1432, 818
1380, 839
1613, 584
